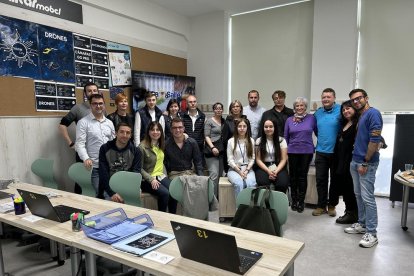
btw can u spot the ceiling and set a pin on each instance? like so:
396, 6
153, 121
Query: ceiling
190, 8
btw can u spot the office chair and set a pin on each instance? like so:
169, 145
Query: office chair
79, 174
43, 168
127, 185
278, 201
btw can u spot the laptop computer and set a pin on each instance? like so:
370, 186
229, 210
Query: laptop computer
41, 206
213, 248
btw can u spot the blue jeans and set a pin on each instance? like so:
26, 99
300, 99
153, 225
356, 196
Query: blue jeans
239, 183
95, 182
364, 192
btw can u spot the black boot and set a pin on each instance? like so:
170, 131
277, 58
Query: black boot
294, 206
301, 207
349, 217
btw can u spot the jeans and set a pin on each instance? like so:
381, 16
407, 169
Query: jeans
95, 183
364, 192
324, 169
239, 183
215, 170
163, 195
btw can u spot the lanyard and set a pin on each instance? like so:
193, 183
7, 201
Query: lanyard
242, 153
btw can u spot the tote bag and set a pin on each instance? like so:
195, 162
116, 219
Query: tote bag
257, 216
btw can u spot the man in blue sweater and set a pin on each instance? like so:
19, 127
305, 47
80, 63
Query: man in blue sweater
328, 122
365, 160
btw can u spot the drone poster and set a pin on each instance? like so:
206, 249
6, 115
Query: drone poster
18, 48
56, 55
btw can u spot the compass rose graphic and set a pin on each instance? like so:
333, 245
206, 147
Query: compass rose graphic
18, 49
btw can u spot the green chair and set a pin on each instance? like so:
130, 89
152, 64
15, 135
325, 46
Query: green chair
127, 185
177, 188
278, 201
78, 173
43, 168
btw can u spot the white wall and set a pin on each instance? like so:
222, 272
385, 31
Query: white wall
334, 47
208, 57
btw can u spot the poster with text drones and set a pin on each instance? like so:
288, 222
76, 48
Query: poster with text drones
164, 86
52, 96
56, 55
91, 61
120, 64
18, 48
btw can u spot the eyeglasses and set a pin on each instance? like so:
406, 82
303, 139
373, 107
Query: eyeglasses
218, 109
97, 104
357, 99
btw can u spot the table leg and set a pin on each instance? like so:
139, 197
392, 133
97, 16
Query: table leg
2, 273
406, 194
90, 261
74, 260
290, 271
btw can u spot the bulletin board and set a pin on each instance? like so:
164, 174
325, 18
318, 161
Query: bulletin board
18, 99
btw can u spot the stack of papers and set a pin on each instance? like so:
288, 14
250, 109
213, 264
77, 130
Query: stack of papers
407, 175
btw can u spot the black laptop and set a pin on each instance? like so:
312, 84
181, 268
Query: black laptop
41, 206
213, 248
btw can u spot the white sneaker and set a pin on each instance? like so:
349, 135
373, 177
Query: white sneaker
355, 228
368, 240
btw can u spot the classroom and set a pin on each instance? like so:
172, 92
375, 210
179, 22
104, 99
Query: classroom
231, 48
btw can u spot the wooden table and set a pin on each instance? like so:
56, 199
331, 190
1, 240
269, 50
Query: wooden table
279, 254
406, 193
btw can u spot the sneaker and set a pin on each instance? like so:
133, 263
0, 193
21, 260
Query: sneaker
331, 211
318, 212
355, 228
347, 218
368, 240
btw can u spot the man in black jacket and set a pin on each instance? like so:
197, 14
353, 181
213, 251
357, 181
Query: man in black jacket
194, 122
117, 155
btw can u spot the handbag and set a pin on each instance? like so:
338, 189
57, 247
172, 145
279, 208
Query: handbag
257, 216
217, 144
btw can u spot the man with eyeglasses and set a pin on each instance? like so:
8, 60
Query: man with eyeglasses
254, 112
181, 152
76, 113
92, 132
364, 164
279, 113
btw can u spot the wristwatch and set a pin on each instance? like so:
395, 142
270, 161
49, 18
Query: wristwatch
365, 164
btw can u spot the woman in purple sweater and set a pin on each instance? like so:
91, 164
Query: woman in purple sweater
298, 135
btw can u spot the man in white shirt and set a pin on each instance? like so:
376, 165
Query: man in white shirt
92, 131
254, 112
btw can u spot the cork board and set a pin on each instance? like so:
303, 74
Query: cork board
18, 99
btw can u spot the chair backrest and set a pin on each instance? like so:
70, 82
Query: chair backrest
278, 201
127, 185
44, 169
78, 173
176, 189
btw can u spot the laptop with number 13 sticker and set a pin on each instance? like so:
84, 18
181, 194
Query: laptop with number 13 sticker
213, 248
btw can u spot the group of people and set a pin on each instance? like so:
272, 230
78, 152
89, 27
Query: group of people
272, 148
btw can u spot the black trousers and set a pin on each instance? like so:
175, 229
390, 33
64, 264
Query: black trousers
345, 186
281, 183
298, 171
324, 169
163, 194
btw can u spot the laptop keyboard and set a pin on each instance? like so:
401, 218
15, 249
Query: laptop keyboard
246, 262
63, 213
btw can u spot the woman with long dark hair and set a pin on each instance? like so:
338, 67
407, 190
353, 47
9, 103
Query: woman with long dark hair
240, 156
271, 158
154, 180
341, 176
